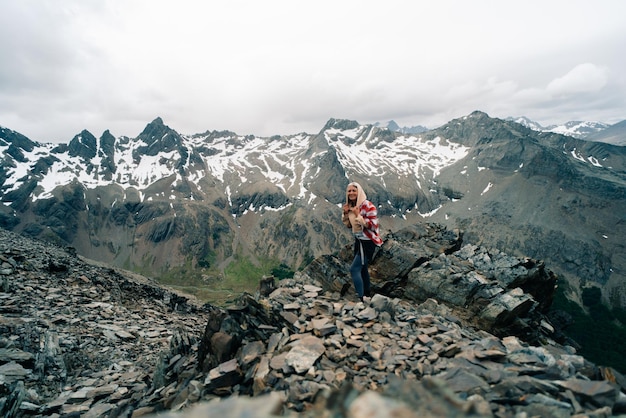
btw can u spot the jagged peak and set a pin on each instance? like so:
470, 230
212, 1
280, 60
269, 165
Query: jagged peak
84, 137
155, 131
342, 124
478, 114
83, 134
157, 121
107, 141
83, 144
215, 134
154, 126
17, 139
393, 125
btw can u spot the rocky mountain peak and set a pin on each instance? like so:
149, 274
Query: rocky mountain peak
17, 145
83, 145
575, 129
479, 128
340, 124
392, 125
153, 129
158, 137
478, 114
107, 143
17, 140
527, 122
416, 129
107, 152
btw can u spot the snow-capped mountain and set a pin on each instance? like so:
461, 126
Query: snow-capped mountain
530, 124
393, 126
161, 182
578, 129
237, 163
163, 199
575, 129
614, 134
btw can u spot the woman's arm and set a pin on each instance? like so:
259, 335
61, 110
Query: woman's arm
368, 215
344, 216
346, 220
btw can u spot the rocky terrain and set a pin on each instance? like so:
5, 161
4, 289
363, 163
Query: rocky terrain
453, 329
73, 332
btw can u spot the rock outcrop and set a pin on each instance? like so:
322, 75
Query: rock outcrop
85, 340
489, 289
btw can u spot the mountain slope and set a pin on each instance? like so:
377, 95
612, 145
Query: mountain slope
575, 129
615, 134
543, 195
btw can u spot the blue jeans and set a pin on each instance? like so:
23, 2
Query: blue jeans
363, 251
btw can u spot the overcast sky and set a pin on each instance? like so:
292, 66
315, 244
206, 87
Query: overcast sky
283, 67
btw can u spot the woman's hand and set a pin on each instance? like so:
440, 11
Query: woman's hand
346, 209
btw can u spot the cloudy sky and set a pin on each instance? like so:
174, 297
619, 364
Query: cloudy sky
284, 66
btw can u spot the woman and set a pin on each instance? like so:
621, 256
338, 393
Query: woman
361, 215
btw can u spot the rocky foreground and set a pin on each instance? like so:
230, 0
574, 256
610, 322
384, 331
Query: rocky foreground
453, 331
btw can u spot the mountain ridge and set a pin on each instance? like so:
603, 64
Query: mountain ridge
164, 199
614, 134
576, 129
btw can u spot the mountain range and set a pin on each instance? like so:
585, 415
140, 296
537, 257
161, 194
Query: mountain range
591, 131
199, 203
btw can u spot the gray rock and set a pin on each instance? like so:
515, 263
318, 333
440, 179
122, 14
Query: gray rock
12, 372
601, 393
304, 353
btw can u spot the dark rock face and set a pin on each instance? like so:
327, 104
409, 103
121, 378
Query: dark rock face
107, 152
17, 140
61, 215
83, 145
408, 248
261, 200
499, 293
158, 137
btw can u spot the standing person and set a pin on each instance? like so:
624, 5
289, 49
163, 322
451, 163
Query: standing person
361, 215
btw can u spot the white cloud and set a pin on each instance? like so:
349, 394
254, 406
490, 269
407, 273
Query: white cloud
584, 78
281, 66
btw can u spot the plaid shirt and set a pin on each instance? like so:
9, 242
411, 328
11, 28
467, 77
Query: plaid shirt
370, 216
